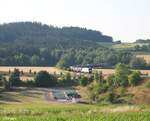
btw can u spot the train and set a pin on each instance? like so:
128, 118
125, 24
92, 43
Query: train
81, 69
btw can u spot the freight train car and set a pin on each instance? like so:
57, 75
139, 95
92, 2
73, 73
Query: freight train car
81, 69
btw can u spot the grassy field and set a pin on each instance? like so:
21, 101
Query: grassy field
121, 46
30, 105
127, 45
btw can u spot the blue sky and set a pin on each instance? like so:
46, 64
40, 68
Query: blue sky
125, 20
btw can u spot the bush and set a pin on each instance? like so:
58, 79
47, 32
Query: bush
44, 79
14, 78
110, 97
121, 74
65, 80
93, 92
98, 77
134, 78
29, 83
123, 91
110, 81
83, 80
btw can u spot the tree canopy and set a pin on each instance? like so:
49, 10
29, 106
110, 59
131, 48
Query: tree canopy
44, 79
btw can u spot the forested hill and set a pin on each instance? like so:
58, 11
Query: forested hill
43, 35
35, 44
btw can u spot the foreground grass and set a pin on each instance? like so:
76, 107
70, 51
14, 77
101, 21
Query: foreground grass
30, 105
130, 116
68, 112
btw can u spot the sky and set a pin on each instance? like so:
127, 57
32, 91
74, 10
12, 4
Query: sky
125, 20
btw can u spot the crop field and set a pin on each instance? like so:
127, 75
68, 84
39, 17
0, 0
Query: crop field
31, 105
105, 71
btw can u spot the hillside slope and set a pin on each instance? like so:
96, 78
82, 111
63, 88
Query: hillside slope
140, 93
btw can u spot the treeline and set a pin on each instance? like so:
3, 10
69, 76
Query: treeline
142, 48
63, 58
31, 56
94, 56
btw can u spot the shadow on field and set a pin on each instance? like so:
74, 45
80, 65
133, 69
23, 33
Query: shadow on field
1, 103
6, 97
30, 93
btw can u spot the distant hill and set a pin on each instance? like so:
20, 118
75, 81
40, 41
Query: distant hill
36, 44
43, 35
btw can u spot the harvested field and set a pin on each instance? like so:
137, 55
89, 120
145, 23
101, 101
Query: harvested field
111, 71
26, 69
105, 71
23, 78
146, 57
53, 70
147, 72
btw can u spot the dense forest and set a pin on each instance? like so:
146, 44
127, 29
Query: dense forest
36, 44
40, 35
